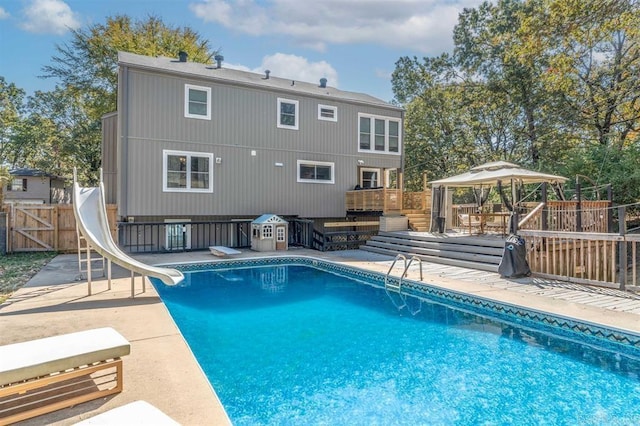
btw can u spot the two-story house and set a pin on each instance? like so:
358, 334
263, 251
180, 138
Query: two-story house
191, 141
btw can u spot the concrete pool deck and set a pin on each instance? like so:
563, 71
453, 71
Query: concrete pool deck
161, 369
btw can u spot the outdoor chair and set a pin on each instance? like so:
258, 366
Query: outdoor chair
469, 222
44, 375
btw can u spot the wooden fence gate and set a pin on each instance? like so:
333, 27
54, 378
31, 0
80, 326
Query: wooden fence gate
46, 227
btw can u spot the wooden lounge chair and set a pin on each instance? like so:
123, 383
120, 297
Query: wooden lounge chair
44, 375
138, 412
470, 222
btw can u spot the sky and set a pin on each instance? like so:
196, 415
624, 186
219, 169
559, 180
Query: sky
353, 43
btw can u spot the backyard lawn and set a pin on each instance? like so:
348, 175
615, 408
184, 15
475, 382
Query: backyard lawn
18, 268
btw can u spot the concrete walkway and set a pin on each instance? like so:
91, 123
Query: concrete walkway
161, 368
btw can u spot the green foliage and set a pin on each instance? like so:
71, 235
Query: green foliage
58, 130
535, 82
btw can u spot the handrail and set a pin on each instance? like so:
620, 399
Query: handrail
531, 214
398, 288
404, 274
386, 278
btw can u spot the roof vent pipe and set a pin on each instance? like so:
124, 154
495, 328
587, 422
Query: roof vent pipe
183, 56
266, 74
323, 82
219, 59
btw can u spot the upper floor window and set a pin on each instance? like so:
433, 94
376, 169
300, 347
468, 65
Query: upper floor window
18, 184
287, 114
197, 102
378, 134
327, 113
315, 172
187, 171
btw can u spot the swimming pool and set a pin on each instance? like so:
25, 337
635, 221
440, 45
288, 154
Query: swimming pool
302, 341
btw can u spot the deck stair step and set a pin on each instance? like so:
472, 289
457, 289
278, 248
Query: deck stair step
418, 220
477, 252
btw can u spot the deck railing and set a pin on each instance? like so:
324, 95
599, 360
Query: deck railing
386, 200
159, 237
609, 260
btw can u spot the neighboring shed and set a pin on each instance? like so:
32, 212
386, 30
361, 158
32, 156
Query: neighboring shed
35, 186
269, 232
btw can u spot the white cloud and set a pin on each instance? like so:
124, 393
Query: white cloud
422, 25
49, 17
3, 14
294, 67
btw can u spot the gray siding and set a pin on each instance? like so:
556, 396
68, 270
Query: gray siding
109, 156
38, 189
243, 119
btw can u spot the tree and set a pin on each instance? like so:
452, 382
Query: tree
87, 71
538, 82
592, 48
11, 107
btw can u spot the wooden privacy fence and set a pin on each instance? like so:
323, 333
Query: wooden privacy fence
47, 227
608, 260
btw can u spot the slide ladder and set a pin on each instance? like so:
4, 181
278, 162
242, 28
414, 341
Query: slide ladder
395, 287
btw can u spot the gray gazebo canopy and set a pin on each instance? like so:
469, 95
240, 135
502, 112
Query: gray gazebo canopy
488, 174
491, 173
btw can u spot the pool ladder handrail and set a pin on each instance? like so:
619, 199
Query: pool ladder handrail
398, 288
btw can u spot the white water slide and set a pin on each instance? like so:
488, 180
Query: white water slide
90, 210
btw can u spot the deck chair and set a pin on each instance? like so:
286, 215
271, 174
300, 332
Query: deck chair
470, 222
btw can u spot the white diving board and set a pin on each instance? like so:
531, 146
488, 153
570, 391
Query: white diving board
222, 251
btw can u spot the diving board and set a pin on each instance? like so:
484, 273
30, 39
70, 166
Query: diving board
90, 211
222, 251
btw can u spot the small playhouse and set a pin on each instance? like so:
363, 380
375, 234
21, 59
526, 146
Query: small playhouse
269, 232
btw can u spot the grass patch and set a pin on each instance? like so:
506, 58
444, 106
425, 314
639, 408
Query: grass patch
18, 268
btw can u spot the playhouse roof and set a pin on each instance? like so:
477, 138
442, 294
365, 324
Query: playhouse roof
268, 218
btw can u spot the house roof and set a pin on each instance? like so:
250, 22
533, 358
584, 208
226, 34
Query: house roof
269, 218
26, 171
228, 75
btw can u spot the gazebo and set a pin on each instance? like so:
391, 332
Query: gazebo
486, 175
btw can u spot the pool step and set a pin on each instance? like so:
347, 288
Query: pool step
477, 252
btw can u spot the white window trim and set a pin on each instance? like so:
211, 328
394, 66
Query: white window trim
281, 234
188, 87
370, 169
386, 135
316, 163
267, 232
297, 114
166, 153
333, 108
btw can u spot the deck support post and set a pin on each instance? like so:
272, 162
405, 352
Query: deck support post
622, 249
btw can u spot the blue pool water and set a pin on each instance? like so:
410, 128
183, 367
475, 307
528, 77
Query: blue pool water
296, 345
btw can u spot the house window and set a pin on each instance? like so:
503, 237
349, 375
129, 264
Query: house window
315, 172
327, 113
267, 232
281, 234
378, 134
197, 102
17, 184
187, 171
287, 114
